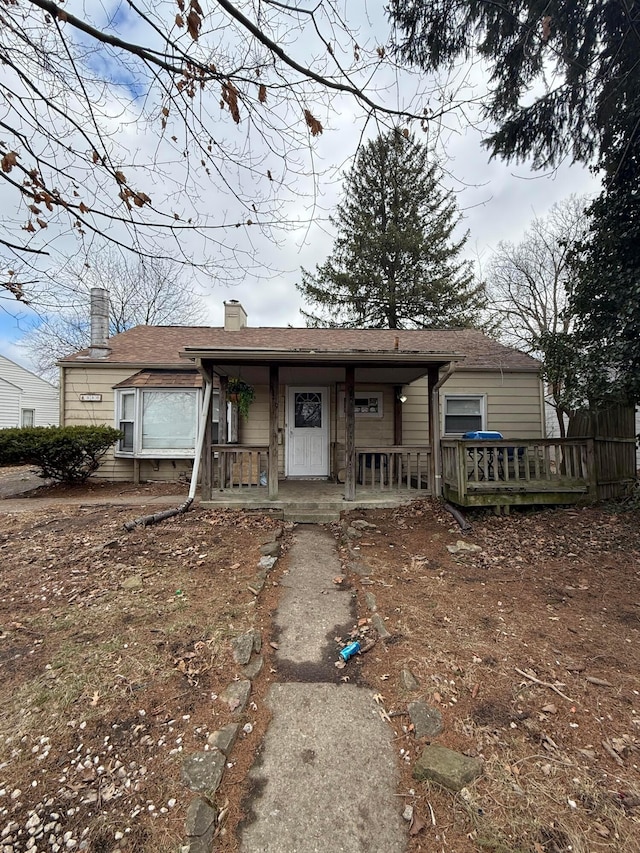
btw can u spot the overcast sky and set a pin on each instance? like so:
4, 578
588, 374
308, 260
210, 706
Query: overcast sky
497, 201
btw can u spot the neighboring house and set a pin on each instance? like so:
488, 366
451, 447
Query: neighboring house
327, 401
26, 399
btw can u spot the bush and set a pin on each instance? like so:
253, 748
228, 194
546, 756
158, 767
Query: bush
67, 454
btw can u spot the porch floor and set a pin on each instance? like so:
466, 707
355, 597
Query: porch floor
311, 500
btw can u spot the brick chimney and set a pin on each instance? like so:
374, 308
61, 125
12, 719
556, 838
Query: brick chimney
235, 317
99, 323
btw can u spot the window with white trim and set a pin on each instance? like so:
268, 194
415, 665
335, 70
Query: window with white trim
463, 413
27, 417
158, 422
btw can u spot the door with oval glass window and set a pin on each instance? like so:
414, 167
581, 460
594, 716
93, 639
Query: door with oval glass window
307, 432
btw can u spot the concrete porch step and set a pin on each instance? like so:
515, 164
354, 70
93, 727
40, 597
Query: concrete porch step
311, 516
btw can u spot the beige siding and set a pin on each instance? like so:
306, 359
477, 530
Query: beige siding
513, 408
89, 380
513, 400
513, 403
415, 414
369, 432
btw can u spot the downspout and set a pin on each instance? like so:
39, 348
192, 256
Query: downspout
435, 403
208, 385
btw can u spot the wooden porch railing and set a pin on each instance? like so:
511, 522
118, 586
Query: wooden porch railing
473, 471
393, 468
237, 466
382, 468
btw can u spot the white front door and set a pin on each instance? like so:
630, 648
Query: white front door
307, 432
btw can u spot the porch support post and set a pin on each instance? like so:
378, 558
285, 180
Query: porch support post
435, 464
222, 432
397, 415
350, 433
274, 403
206, 459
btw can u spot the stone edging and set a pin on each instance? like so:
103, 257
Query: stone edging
202, 772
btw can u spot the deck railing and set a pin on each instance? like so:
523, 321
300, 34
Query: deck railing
518, 466
239, 466
393, 468
379, 468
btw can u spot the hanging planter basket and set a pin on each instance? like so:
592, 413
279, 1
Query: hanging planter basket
242, 395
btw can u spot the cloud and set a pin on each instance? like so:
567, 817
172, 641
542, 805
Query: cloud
498, 201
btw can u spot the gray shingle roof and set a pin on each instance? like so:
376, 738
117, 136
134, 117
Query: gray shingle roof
146, 346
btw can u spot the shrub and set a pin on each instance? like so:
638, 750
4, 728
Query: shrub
68, 454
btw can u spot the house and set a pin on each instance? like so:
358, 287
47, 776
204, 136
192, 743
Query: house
359, 407
26, 399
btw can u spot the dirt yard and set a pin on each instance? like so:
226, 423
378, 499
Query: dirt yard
114, 650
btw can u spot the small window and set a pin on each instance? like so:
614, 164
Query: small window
367, 404
27, 417
463, 414
308, 410
126, 420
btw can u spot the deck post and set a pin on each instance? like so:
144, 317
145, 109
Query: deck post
274, 401
350, 433
222, 432
435, 462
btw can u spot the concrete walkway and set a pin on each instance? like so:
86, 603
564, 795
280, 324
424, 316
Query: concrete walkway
326, 777
137, 503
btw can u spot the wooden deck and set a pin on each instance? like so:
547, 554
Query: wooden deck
519, 472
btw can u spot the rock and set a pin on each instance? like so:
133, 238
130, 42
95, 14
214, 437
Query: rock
224, 738
134, 582
427, 722
203, 771
370, 599
378, 623
242, 647
256, 586
267, 562
257, 641
200, 825
407, 814
461, 545
236, 695
271, 549
252, 669
408, 680
446, 767
353, 533
360, 567
361, 524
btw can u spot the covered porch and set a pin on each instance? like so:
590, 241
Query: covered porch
329, 427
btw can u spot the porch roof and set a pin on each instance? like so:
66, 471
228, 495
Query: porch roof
323, 365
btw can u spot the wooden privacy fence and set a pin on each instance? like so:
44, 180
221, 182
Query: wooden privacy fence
613, 432
522, 471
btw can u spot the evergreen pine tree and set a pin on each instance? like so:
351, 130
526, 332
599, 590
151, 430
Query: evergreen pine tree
395, 263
